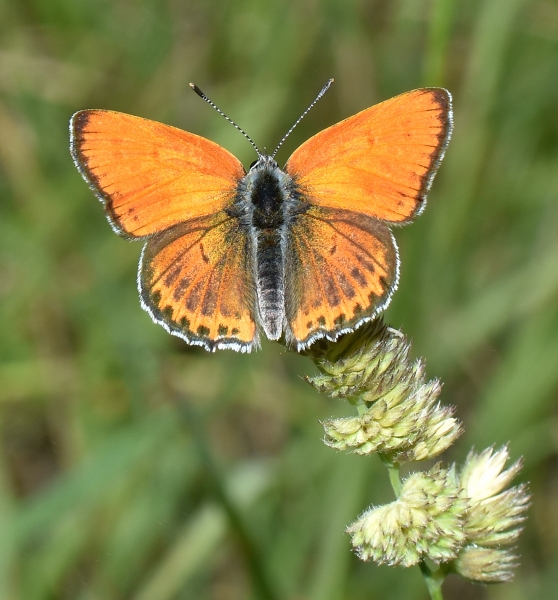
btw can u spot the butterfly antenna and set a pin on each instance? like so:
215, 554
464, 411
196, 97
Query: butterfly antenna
204, 97
322, 92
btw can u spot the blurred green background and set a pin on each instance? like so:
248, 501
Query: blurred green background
135, 467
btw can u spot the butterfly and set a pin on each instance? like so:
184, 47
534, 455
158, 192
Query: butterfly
299, 253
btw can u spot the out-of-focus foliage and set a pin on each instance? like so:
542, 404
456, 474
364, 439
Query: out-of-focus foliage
135, 467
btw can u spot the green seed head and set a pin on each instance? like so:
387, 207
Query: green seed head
426, 521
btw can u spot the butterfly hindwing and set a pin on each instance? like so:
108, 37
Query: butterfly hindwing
148, 175
195, 279
341, 270
379, 162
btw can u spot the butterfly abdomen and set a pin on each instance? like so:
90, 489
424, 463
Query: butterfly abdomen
270, 282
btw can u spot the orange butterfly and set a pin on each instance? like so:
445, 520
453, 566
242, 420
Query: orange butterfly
304, 252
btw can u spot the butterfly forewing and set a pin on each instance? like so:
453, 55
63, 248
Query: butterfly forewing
379, 162
341, 270
151, 176
195, 280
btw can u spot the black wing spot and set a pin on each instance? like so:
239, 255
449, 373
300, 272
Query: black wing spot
339, 320
331, 292
194, 296
180, 288
203, 254
366, 263
345, 286
357, 275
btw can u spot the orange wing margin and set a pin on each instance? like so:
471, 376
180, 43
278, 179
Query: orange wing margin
148, 175
194, 281
381, 161
343, 267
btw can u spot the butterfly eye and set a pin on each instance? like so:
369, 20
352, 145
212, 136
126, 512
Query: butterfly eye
254, 163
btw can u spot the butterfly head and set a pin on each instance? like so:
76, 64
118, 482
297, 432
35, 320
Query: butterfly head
263, 162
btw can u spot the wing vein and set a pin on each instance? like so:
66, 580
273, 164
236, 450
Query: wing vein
341, 234
206, 231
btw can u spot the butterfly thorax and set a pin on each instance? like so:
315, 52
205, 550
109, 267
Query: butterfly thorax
266, 203
268, 199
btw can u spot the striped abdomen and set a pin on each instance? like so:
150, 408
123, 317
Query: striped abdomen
270, 281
